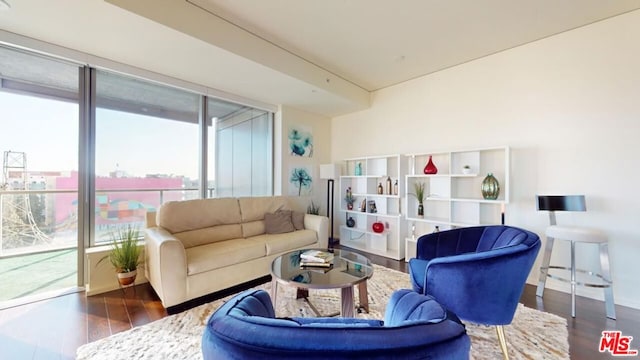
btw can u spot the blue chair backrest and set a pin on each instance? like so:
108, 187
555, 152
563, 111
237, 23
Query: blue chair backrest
496, 237
474, 239
234, 331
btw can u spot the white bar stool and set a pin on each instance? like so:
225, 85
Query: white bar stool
574, 234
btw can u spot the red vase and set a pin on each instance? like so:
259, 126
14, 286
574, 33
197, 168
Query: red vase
430, 169
378, 227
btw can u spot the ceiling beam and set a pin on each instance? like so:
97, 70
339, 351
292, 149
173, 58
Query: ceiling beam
191, 19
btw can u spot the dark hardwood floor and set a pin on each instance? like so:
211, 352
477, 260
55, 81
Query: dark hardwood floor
55, 328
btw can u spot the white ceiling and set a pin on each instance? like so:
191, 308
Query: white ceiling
320, 56
379, 43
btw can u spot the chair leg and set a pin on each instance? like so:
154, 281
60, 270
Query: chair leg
503, 341
573, 278
606, 274
544, 268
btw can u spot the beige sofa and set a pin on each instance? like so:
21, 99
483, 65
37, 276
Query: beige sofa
196, 247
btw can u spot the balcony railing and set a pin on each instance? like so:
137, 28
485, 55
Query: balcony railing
33, 221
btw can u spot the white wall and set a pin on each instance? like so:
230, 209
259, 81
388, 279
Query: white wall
568, 106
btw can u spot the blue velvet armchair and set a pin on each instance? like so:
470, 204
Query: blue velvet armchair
415, 327
478, 273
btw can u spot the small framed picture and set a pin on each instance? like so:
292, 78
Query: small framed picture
372, 206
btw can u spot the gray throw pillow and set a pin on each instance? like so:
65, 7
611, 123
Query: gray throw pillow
297, 218
278, 223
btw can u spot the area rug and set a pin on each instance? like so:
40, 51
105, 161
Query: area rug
532, 335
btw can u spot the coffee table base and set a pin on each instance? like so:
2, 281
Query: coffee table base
346, 294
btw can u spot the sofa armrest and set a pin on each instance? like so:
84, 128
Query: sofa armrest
166, 265
319, 224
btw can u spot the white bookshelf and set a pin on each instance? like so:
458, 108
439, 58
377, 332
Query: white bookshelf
375, 170
453, 198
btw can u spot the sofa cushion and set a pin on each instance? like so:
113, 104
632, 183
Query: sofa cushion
222, 253
278, 222
252, 211
180, 216
209, 235
254, 208
297, 218
285, 242
253, 228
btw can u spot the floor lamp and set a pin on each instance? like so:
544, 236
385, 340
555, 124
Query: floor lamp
330, 172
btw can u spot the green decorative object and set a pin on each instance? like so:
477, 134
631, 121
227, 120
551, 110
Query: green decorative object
490, 187
349, 199
125, 254
419, 188
313, 209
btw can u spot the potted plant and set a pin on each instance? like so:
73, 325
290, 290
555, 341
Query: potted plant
125, 254
350, 199
313, 209
419, 189
466, 169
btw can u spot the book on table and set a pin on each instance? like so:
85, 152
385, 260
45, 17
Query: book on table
317, 269
316, 256
305, 264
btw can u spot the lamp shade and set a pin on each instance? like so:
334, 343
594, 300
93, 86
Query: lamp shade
329, 171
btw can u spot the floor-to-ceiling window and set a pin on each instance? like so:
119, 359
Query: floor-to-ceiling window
88, 150
39, 120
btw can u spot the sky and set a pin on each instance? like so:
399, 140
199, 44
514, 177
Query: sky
47, 131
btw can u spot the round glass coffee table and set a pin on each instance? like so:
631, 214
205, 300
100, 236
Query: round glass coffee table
348, 269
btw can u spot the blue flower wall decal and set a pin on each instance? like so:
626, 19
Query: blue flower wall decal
300, 142
300, 178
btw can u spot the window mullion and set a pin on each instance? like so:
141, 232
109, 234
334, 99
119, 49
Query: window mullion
203, 148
